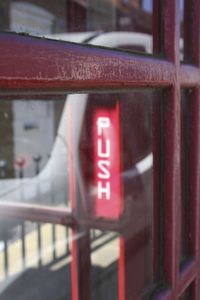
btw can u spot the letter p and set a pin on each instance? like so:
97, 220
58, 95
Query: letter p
102, 122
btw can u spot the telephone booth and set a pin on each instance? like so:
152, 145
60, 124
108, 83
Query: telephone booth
116, 97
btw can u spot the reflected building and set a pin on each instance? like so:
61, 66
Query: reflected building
110, 15
43, 16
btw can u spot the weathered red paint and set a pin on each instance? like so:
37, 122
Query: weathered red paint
194, 156
72, 67
171, 170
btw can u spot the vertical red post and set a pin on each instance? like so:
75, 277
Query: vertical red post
193, 39
172, 134
194, 187
80, 265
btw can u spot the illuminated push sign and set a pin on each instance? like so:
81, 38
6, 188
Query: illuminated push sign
107, 177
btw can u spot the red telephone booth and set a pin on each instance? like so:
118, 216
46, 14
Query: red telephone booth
130, 133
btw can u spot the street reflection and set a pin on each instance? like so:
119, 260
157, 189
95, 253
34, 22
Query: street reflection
64, 132
30, 150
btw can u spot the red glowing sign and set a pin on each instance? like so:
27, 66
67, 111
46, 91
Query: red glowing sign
107, 182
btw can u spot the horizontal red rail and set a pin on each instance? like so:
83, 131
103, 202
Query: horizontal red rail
42, 65
37, 213
72, 67
45, 65
189, 76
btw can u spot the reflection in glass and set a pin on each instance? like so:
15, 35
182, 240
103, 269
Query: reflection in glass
189, 293
183, 30
186, 203
64, 19
101, 144
34, 261
117, 134
33, 159
147, 5
104, 259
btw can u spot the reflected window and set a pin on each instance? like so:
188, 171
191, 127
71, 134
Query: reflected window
75, 16
27, 17
147, 5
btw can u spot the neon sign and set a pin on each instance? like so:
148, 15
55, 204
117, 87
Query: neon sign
107, 177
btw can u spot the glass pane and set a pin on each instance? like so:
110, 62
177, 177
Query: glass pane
189, 293
116, 154
189, 20
34, 261
104, 258
184, 26
186, 203
100, 152
30, 170
79, 21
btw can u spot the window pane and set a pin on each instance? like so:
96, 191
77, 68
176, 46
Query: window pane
189, 20
78, 21
100, 152
119, 135
189, 293
184, 26
187, 217
104, 258
30, 171
34, 261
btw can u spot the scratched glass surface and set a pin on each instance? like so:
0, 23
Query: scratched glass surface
112, 21
35, 261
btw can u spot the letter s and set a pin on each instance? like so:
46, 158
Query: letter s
103, 166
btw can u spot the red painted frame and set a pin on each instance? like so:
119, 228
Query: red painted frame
71, 67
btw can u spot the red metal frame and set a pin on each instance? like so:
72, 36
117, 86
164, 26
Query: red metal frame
23, 62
